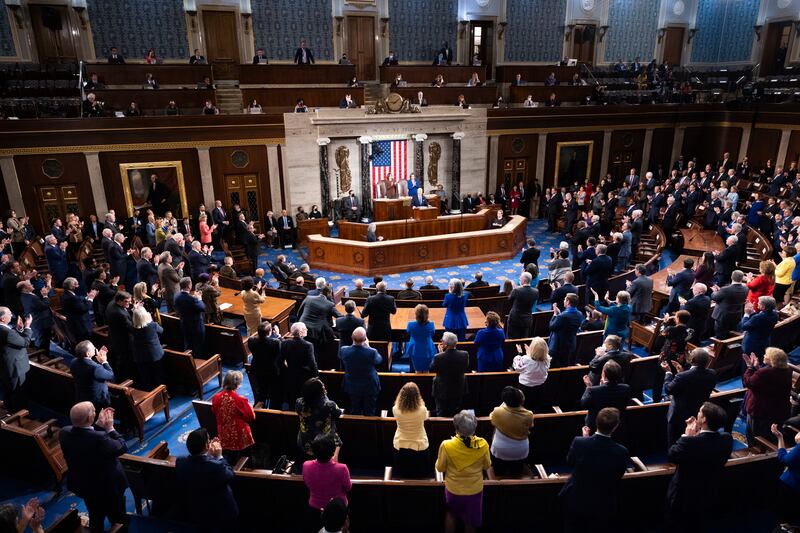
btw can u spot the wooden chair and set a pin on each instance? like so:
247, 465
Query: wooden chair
135, 407
34, 447
227, 342
189, 374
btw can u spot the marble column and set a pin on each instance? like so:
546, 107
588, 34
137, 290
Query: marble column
12, 185
744, 144
541, 152
677, 145
455, 195
324, 180
96, 179
605, 155
648, 145
206, 177
366, 186
783, 149
419, 158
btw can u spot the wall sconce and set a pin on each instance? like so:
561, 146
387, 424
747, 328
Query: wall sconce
603, 31
661, 33
462, 27
339, 19
501, 30
692, 32
567, 33
757, 28
384, 25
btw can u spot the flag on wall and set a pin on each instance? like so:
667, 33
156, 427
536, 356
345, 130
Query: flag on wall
388, 157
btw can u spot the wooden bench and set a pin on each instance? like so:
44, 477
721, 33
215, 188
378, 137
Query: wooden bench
184, 372
153, 102
134, 74
286, 97
36, 450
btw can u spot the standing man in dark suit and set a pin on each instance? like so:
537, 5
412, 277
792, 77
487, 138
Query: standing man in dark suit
56, 254
8, 284
599, 270
531, 254
251, 244
699, 306
598, 464
689, 389
14, 343
347, 324
641, 291
361, 381
115, 58
449, 365
118, 257
297, 356
681, 284
37, 306
700, 456
561, 292
285, 226
76, 310
205, 481
725, 261
192, 311
92, 228
378, 308
730, 305
522, 300
303, 55
95, 473
220, 218
554, 210
350, 206
564, 327
120, 334
611, 392
317, 313
92, 374
145, 268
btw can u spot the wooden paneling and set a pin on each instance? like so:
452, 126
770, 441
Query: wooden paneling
405, 229
625, 152
426, 74
516, 147
134, 74
294, 74
661, 149
533, 73
153, 102
550, 160
793, 152
222, 164
53, 32
222, 44
540, 93
361, 45
449, 95
673, 45
763, 146
279, 97
109, 166
74, 172
709, 143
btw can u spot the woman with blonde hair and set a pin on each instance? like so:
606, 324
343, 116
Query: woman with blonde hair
532, 368
783, 275
148, 354
769, 389
763, 284
252, 305
411, 459
149, 304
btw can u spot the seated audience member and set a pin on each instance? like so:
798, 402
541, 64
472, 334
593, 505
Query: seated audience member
688, 390
611, 392
769, 389
205, 84
305, 271
474, 81
344, 60
420, 100
15, 518
197, 58
462, 102
209, 108
449, 365
93, 84
115, 58
260, 58
594, 321
411, 456
790, 478
420, 348
361, 381
297, 284
378, 309
314, 213
552, 101
227, 268
699, 455
528, 102
326, 479
234, 416
757, 326
359, 291
489, 341
610, 350
300, 106
149, 82
148, 354
518, 81
150, 57
92, 107
91, 451
172, 109
205, 482
92, 374
254, 108
598, 464
409, 293
512, 425
498, 103
438, 81
563, 330
265, 366
429, 286
390, 60
348, 102
550, 80
479, 282
618, 315
317, 417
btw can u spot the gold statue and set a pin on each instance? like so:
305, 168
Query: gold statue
434, 153
394, 103
342, 161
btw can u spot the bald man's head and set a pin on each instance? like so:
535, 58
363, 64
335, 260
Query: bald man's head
82, 414
359, 336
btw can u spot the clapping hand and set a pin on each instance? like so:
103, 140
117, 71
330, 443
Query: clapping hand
586, 432
106, 419
691, 426
748, 308
91, 294
102, 355
594, 294
665, 366
750, 360
215, 448
606, 297
556, 310
678, 367
28, 320
587, 381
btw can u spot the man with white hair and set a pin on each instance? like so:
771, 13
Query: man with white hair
14, 341
379, 307
297, 355
91, 450
169, 277
359, 291
199, 260
725, 261
106, 241
429, 286
729, 306
361, 381
449, 365
118, 257
522, 300
174, 245
699, 306
319, 284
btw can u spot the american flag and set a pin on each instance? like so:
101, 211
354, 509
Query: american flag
388, 157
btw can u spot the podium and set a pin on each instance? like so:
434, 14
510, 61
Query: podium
312, 226
385, 209
425, 213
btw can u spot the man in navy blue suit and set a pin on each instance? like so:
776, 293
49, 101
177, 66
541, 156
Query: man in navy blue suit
598, 464
95, 473
56, 255
38, 307
360, 375
689, 389
92, 374
564, 327
681, 284
76, 310
419, 200
192, 310
599, 270
205, 481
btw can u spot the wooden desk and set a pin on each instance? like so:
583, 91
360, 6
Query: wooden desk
425, 213
310, 227
275, 310
660, 287
540, 93
403, 255
697, 240
153, 102
475, 318
427, 73
393, 208
135, 74
250, 74
312, 96
533, 73
407, 228
448, 95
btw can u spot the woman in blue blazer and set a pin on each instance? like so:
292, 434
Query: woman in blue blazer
758, 326
490, 341
148, 353
420, 347
455, 317
790, 478
618, 316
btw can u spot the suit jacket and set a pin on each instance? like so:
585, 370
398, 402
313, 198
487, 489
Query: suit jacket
11, 295
757, 330
192, 312
198, 263
597, 273
360, 374
76, 311
92, 458
730, 302
260, 60
56, 261
91, 381
148, 343
169, 280
681, 284
298, 356
450, 367
598, 466
118, 259
15, 356
641, 291
621, 357
345, 325
250, 247
416, 201
95, 232
522, 299
600, 396
699, 307
563, 329
316, 313
39, 309
120, 331
298, 57
700, 461
116, 60
561, 292
378, 309
289, 224
689, 389
726, 262
219, 216
147, 272
531, 255
204, 484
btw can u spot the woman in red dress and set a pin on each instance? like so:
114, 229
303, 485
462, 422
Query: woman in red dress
205, 230
515, 199
763, 284
234, 415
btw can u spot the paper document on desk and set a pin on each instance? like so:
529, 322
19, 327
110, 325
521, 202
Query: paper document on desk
223, 307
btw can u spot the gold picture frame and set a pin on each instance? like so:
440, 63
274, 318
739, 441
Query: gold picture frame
135, 185
584, 156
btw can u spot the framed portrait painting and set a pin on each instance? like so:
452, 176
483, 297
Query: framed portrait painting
158, 186
573, 162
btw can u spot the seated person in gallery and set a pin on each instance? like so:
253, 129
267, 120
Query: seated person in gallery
551, 81
115, 58
210, 109
172, 108
438, 81
499, 103
133, 110
372, 235
474, 81
390, 60
576, 80
462, 102
419, 200
420, 100
150, 58
518, 81
552, 101
93, 84
344, 60
499, 221
260, 58
301, 106
353, 82
314, 213
347, 102
529, 102
197, 58
254, 108
206, 84
149, 81
92, 107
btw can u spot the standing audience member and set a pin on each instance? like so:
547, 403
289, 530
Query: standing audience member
361, 381
512, 425
148, 354
420, 348
611, 392
490, 341
120, 334
411, 457
208, 287
76, 310
346, 325
563, 328
757, 326
378, 309
618, 315
523, 301
37, 306
234, 416
326, 479
676, 334
462, 460
699, 309
532, 368
688, 390
192, 314
169, 279
455, 316
92, 374
769, 388
317, 416
298, 363
252, 304
641, 291
265, 366
783, 274
14, 343
449, 366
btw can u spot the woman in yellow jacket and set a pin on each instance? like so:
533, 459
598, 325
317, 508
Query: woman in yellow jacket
783, 274
252, 305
